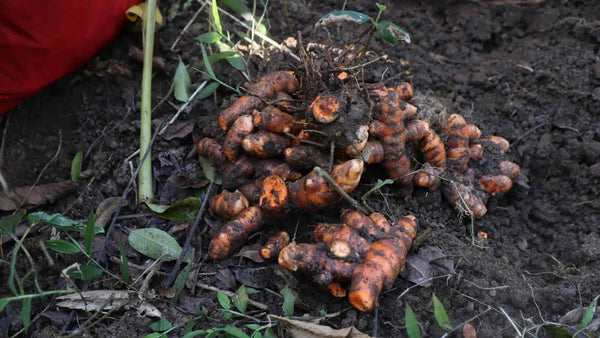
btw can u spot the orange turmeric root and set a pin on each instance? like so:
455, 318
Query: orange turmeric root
273, 247
271, 84
267, 167
275, 121
312, 192
264, 144
232, 145
327, 233
235, 233
212, 150
242, 106
274, 196
383, 262
227, 204
237, 173
252, 191
325, 108
314, 261
458, 144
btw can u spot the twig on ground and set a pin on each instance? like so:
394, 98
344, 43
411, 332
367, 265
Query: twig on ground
187, 26
167, 283
182, 108
529, 132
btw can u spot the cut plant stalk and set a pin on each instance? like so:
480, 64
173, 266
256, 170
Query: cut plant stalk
146, 193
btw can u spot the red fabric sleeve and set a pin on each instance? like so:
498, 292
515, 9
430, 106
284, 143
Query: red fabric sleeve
41, 41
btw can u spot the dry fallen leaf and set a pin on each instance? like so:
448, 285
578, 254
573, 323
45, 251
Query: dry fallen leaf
105, 210
105, 300
301, 329
179, 129
40, 195
252, 252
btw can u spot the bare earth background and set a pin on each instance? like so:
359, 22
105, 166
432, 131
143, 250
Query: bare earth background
530, 73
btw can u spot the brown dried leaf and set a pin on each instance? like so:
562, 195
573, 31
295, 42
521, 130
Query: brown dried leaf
179, 129
225, 280
40, 195
252, 252
105, 210
417, 271
302, 329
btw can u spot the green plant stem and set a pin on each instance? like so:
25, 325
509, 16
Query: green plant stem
365, 209
146, 193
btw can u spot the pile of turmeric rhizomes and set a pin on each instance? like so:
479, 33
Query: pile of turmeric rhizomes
277, 134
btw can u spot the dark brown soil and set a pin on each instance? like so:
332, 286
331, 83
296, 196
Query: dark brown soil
529, 72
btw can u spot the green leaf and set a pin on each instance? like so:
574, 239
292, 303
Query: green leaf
62, 246
207, 91
189, 326
240, 300
236, 61
253, 326
219, 56
194, 334
161, 325
124, 266
26, 313
235, 332
440, 314
181, 83
412, 326
589, 314
269, 333
89, 233
381, 7
60, 222
76, 166
155, 335
206, 62
215, 16
289, 299
178, 211
85, 272
8, 224
223, 300
343, 16
209, 37
180, 281
209, 170
392, 33
155, 243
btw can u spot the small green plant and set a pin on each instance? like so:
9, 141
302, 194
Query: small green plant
240, 302
17, 282
388, 30
412, 325
440, 314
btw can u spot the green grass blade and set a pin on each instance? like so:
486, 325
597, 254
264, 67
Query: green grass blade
89, 233
412, 325
76, 166
440, 314
215, 16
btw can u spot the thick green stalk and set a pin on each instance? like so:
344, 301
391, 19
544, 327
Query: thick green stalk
146, 193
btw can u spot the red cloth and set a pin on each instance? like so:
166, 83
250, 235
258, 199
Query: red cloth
41, 41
